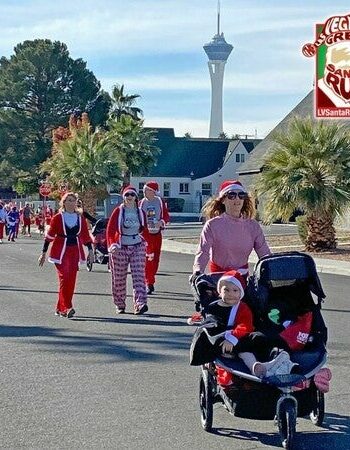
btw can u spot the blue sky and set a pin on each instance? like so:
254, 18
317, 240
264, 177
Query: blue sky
155, 48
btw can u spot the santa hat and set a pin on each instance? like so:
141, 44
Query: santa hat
152, 185
129, 189
230, 185
234, 277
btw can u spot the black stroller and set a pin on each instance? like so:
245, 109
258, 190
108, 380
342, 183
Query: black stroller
99, 244
286, 275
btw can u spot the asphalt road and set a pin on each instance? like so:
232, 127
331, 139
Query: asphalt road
102, 381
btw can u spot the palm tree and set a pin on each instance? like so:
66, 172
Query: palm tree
308, 169
133, 144
123, 104
87, 163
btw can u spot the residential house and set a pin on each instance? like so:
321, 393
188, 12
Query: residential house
193, 168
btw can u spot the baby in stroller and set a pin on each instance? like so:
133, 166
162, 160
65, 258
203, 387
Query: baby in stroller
232, 322
99, 243
279, 295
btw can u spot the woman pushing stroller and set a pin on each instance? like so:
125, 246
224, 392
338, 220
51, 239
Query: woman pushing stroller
230, 233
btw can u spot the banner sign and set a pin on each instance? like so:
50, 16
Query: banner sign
332, 83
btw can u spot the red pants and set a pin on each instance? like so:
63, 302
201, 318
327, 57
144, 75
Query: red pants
154, 246
1, 230
67, 275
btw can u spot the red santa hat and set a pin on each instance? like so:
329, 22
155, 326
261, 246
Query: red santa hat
230, 185
129, 189
152, 185
234, 277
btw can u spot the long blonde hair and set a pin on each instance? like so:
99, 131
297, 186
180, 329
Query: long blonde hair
214, 207
63, 201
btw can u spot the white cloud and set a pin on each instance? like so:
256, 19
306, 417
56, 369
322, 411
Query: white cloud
282, 81
143, 26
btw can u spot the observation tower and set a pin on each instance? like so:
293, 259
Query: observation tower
218, 51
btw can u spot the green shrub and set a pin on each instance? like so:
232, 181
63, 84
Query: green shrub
302, 228
175, 204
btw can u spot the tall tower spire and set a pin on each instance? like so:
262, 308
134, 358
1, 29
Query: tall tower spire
218, 33
218, 51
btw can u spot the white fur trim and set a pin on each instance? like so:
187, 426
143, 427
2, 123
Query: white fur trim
232, 280
232, 187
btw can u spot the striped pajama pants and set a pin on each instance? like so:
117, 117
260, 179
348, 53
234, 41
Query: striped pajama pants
135, 255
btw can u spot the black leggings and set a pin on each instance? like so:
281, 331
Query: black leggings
260, 345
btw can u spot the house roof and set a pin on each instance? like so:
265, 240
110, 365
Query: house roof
255, 163
181, 156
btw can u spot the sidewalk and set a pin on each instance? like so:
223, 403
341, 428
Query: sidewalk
323, 265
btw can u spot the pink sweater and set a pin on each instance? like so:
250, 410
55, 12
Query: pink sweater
228, 242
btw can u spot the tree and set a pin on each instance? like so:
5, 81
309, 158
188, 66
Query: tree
308, 169
40, 85
188, 135
223, 135
134, 145
123, 104
86, 162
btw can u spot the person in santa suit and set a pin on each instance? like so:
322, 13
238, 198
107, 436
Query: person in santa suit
68, 232
126, 233
157, 217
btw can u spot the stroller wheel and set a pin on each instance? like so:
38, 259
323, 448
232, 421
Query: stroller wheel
317, 414
89, 266
287, 420
206, 400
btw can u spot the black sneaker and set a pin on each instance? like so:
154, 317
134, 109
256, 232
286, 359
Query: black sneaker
150, 289
142, 310
71, 313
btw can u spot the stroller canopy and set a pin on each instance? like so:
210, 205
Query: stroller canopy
279, 268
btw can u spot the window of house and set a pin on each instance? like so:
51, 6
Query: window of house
141, 185
166, 189
242, 157
184, 188
238, 157
206, 189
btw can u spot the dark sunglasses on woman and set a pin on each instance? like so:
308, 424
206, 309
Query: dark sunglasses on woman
129, 194
232, 195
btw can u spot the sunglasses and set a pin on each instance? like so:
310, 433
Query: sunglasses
233, 195
129, 194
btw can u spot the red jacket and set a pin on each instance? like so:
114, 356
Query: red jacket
114, 227
57, 234
164, 213
241, 320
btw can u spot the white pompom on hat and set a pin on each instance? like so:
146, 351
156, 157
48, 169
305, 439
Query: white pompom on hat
234, 277
231, 185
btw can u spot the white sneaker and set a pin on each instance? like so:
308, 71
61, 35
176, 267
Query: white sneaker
283, 368
0, 241
273, 366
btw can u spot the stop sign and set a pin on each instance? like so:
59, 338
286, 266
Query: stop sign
45, 189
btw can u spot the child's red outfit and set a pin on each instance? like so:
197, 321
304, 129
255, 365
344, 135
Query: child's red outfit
66, 253
156, 211
126, 233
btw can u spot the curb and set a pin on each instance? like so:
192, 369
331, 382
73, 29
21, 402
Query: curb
323, 265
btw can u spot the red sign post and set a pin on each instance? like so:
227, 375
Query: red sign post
45, 189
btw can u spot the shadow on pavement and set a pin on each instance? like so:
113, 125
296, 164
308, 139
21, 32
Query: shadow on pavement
159, 346
335, 433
